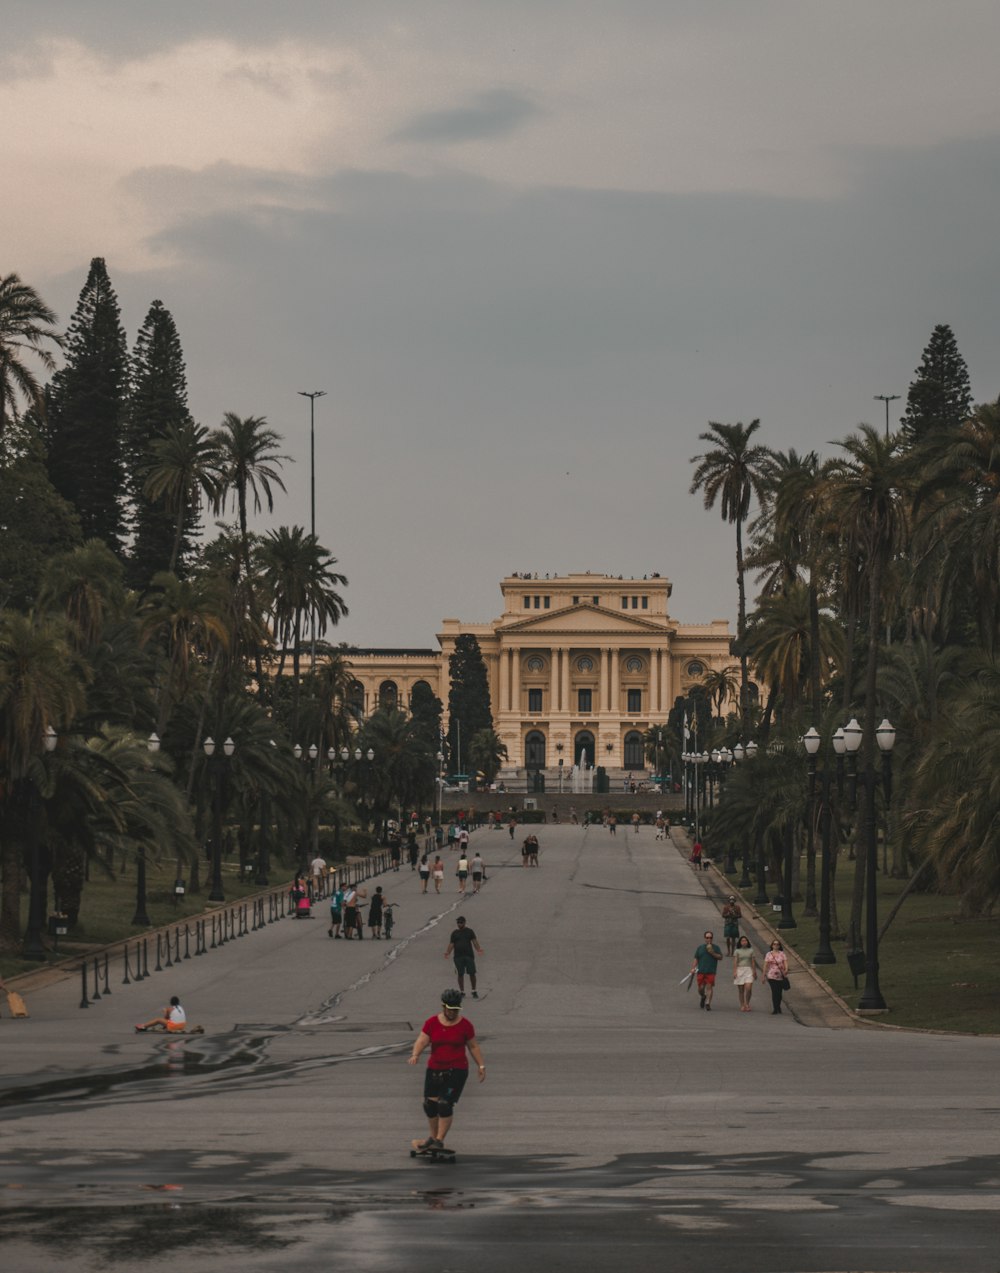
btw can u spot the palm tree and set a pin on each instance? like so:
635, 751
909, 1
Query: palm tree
25, 322
732, 472
487, 753
250, 467
780, 644
184, 464
300, 580
187, 616
721, 684
87, 583
42, 686
864, 488
954, 818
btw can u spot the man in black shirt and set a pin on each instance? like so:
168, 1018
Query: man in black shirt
463, 942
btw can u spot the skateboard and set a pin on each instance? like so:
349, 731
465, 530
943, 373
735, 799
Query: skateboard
435, 1153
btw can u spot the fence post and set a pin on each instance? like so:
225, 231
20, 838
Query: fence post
84, 1001
125, 979
97, 985
169, 963
145, 957
107, 987
177, 945
187, 941
159, 966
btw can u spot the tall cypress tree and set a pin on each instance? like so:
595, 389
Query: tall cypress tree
469, 708
157, 402
86, 410
940, 397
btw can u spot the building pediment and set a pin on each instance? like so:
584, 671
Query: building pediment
583, 620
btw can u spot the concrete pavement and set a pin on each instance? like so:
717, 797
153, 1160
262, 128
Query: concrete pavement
617, 1120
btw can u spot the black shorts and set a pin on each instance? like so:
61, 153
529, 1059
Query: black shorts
444, 1084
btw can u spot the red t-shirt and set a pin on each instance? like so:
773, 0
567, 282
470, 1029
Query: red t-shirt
448, 1043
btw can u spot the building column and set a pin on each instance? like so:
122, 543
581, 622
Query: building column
616, 680
654, 683
565, 681
515, 682
504, 680
604, 685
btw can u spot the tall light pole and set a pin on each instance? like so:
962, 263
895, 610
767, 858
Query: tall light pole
440, 783
141, 919
886, 398
228, 747
312, 395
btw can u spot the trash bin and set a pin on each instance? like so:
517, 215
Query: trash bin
58, 925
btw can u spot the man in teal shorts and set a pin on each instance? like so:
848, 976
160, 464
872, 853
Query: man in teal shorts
706, 960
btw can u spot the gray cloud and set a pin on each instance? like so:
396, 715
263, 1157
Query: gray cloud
526, 371
485, 116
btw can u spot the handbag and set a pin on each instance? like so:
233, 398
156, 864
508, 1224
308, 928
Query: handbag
785, 984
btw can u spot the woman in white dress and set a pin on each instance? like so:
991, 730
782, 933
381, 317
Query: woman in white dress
744, 971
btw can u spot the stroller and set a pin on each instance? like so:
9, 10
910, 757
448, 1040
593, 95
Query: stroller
387, 919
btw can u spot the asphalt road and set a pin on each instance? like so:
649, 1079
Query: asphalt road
619, 1125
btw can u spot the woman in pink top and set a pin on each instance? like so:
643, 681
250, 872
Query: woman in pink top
775, 973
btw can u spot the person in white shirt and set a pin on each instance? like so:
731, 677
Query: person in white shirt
174, 1019
317, 869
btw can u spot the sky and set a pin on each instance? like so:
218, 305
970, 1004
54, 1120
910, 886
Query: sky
528, 248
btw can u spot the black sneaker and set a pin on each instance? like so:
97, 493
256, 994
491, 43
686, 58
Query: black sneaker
475, 994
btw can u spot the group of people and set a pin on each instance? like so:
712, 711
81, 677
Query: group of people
746, 970
529, 850
346, 913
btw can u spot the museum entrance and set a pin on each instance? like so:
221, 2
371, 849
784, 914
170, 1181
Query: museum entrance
534, 750
584, 749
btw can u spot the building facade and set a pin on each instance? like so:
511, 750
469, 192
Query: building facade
579, 667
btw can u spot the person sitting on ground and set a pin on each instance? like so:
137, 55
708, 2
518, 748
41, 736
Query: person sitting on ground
174, 1019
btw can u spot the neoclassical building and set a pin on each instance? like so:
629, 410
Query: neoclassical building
579, 667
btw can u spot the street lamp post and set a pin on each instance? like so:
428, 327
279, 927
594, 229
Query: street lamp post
440, 783
219, 763
141, 919
811, 741
885, 737
886, 398
312, 395
34, 947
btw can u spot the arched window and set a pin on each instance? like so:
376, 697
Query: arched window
633, 755
388, 695
534, 750
583, 749
356, 699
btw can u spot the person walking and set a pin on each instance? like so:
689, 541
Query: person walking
612, 824
512, 827
317, 870
424, 871
731, 916
452, 1040
705, 962
395, 850
375, 914
336, 911
744, 971
462, 871
776, 974
660, 825
635, 821
461, 945
572, 816
437, 870
352, 917
463, 840
412, 850
478, 868
532, 849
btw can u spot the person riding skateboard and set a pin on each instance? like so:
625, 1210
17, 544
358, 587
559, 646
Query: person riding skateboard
452, 1039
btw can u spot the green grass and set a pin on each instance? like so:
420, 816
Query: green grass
937, 970
107, 907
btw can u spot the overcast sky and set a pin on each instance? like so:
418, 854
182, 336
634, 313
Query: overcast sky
529, 248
